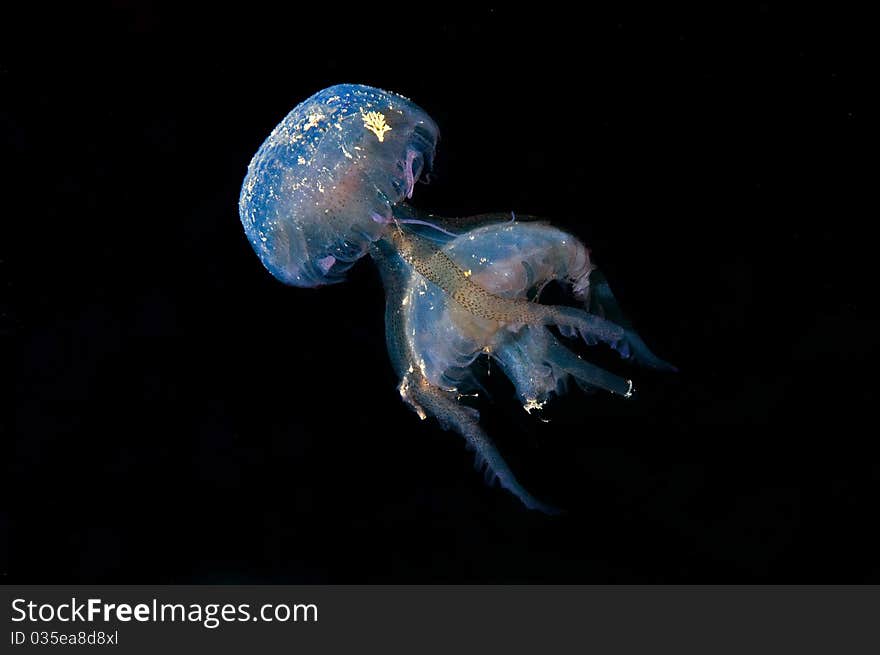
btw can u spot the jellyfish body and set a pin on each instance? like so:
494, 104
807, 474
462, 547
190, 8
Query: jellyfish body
322, 186
330, 184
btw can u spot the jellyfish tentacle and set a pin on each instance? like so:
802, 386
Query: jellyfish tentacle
385, 220
456, 226
416, 221
428, 400
464, 223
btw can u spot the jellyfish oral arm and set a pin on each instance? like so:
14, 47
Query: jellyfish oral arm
427, 399
437, 267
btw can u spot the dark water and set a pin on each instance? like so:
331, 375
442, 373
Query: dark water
179, 416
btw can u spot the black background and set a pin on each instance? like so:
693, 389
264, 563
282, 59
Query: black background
180, 416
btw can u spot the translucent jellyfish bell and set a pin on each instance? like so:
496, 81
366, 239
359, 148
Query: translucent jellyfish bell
322, 187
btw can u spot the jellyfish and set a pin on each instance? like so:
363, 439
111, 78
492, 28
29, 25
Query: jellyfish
331, 184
